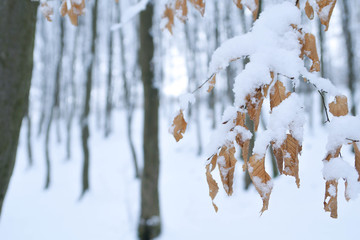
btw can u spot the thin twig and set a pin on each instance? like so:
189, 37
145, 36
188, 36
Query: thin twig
323, 101
212, 75
352, 140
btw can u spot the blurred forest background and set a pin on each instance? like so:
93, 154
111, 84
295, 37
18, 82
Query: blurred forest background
94, 142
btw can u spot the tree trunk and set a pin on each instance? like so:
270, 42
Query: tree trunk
350, 54
127, 95
85, 132
150, 224
17, 25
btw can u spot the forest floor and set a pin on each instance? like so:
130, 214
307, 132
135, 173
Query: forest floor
110, 209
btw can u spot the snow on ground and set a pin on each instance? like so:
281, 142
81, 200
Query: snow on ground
110, 210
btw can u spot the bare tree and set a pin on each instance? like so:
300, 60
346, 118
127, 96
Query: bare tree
16, 62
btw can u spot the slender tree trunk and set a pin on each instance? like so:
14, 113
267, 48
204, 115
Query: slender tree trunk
17, 25
55, 107
149, 224
85, 132
351, 78
109, 87
70, 118
127, 96
28, 138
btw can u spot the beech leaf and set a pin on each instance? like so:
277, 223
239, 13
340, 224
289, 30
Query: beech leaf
339, 107
179, 126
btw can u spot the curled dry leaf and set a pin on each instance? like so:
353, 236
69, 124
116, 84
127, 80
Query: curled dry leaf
76, 9
339, 107
324, 11
199, 5
240, 121
357, 158
279, 158
290, 150
278, 94
238, 3
309, 49
330, 200
226, 163
169, 15
213, 186
254, 103
47, 11
212, 83
181, 5
309, 10
179, 126
260, 179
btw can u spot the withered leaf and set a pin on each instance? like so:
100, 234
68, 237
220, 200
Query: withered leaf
309, 10
325, 9
47, 11
227, 168
212, 83
279, 158
357, 158
169, 15
330, 200
181, 5
199, 5
76, 9
238, 3
213, 186
179, 126
260, 179
278, 94
254, 103
309, 49
339, 107
290, 150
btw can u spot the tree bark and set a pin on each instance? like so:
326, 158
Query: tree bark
17, 25
85, 132
149, 224
351, 78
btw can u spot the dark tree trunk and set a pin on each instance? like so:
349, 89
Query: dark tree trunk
85, 132
149, 224
17, 28
351, 79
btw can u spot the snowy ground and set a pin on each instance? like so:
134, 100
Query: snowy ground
110, 210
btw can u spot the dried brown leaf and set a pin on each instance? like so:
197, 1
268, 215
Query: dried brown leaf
290, 150
260, 179
278, 94
181, 5
179, 126
339, 107
330, 200
169, 15
199, 5
309, 49
77, 9
213, 186
47, 11
254, 103
324, 11
227, 167
212, 83
357, 158
238, 3
309, 10
279, 158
